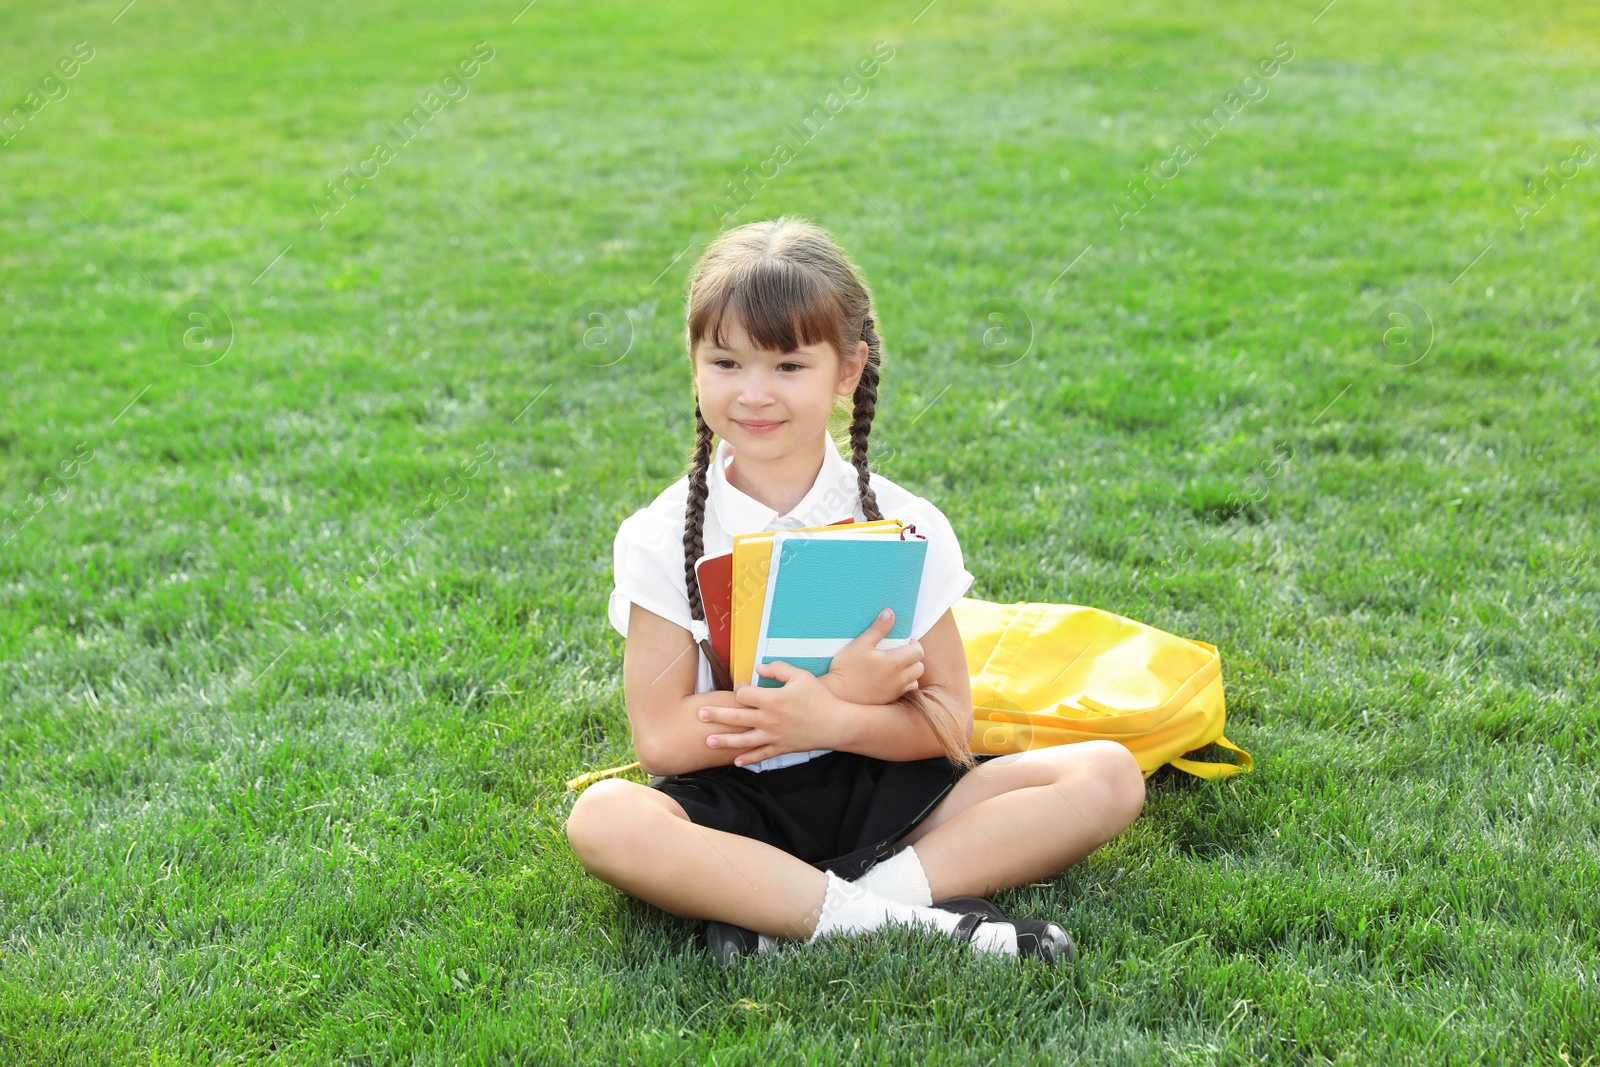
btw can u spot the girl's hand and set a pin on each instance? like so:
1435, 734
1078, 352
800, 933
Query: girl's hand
861, 673
799, 716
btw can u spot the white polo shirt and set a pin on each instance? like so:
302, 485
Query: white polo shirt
648, 550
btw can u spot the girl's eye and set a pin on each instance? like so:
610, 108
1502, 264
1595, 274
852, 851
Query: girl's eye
781, 366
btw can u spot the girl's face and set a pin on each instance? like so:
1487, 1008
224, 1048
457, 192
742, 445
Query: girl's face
768, 403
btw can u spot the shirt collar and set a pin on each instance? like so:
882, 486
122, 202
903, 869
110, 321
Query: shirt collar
833, 496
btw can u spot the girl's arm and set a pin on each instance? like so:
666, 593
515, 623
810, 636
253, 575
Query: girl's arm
899, 731
660, 665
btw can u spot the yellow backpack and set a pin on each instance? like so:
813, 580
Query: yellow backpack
1053, 674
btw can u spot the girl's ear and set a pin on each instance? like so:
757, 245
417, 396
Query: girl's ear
851, 373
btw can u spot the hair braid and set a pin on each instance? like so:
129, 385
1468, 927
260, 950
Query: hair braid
866, 405
955, 745
694, 522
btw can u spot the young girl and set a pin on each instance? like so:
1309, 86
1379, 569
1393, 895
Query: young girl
832, 805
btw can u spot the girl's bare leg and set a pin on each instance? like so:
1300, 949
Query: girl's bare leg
641, 841
1027, 816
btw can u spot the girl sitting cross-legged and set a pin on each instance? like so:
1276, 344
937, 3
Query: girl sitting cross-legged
834, 804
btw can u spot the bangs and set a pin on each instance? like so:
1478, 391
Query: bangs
782, 304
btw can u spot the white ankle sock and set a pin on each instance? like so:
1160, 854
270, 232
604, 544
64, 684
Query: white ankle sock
849, 909
900, 877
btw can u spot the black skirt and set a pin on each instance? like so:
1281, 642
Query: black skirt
840, 811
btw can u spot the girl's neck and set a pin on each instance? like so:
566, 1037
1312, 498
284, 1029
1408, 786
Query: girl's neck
782, 482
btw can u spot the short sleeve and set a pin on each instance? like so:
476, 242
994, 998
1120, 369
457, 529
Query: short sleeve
648, 562
945, 578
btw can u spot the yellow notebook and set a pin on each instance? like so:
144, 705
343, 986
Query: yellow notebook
752, 561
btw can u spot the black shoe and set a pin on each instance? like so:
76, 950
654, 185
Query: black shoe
729, 943
1038, 938
973, 906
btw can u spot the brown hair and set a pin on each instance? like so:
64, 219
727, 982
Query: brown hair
787, 281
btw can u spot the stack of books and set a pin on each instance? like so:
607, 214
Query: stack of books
801, 595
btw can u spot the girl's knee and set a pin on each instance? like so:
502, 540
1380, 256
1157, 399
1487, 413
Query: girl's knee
608, 820
1117, 772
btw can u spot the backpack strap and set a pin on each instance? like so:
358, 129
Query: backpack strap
1217, 770
594, 776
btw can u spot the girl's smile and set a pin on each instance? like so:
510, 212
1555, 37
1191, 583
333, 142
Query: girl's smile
757, 428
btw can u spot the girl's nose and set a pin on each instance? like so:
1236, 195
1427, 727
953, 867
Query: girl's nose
757, 390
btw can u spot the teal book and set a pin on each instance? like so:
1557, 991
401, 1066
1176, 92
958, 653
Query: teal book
825, 589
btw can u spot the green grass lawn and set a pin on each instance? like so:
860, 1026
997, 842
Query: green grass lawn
302, 600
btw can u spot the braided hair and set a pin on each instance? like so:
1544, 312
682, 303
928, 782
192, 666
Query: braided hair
789, 284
